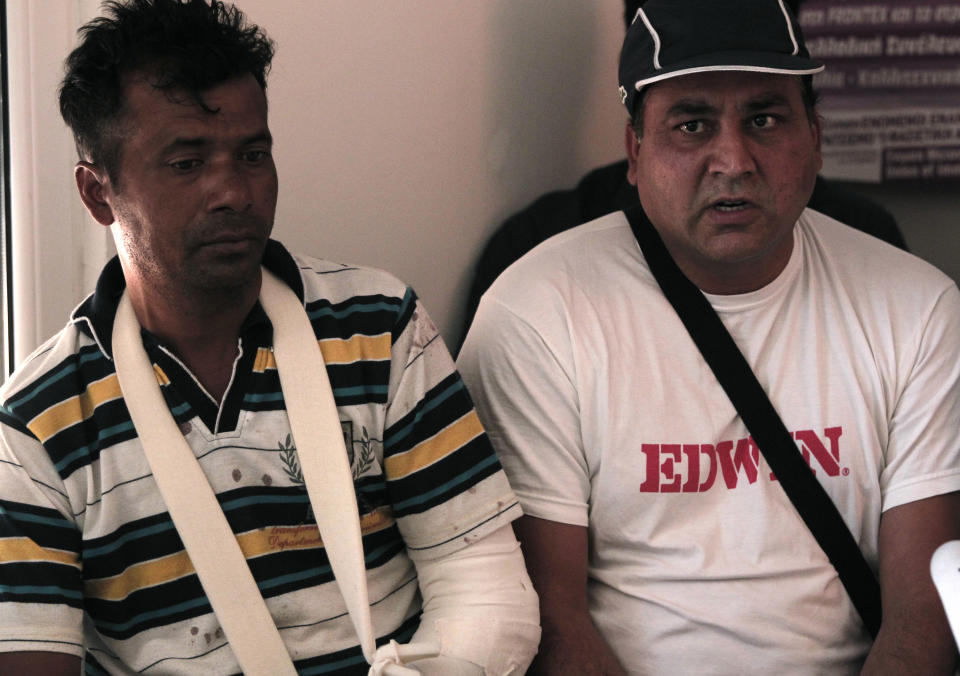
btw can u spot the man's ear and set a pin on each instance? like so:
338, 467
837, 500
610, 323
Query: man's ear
93, 182
817, 139
632, 144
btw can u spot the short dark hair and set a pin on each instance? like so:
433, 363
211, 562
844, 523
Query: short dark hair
185, 46
809, 94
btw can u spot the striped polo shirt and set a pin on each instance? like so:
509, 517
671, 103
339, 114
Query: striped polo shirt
90, 562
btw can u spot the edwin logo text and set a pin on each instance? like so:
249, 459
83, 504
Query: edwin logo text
695, 468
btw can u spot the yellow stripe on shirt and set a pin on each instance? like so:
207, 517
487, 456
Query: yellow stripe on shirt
338, 351
356, 348
18, 550
253, 544
435, 448
140, 576
79, 408
75, 409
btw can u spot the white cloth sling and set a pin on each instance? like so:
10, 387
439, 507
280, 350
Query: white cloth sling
199, 519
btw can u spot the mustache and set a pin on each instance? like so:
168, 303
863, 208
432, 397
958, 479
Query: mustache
729, 190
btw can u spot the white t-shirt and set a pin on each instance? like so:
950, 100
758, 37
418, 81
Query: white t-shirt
605, 415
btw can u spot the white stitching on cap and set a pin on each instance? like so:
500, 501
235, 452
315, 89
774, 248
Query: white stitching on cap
712, 69
786, 17
656, 38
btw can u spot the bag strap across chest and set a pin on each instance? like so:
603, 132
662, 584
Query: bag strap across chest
758, 414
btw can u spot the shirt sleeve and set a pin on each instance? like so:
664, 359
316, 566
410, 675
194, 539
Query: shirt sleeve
41, 587
923, 451
444, 481
524, 385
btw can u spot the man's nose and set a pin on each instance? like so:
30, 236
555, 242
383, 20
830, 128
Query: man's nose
732, 152
230, 188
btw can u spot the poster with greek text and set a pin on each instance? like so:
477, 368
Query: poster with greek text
890, 95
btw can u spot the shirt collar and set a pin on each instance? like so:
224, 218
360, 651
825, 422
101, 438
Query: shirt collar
95, 314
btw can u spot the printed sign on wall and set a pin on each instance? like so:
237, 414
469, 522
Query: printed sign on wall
890, 95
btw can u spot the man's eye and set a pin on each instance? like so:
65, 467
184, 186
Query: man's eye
764, 121
692, 127
254, 156
185, 165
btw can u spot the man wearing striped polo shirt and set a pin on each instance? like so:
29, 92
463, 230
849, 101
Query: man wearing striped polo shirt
107, 554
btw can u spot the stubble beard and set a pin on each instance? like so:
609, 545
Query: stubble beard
219, 276
203, 280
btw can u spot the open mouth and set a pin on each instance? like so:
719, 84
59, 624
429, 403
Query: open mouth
731, 205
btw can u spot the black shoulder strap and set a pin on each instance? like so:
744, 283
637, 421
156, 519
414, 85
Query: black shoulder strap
768, 431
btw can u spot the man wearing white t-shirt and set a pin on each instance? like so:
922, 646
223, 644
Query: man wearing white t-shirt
655, 532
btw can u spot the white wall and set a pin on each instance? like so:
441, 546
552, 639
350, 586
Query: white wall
406, 132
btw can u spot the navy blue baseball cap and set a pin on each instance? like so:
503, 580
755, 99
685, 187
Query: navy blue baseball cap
669, 38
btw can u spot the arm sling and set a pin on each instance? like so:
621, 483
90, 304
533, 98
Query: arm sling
764, 424
199, 520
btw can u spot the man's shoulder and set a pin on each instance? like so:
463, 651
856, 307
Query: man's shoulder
352, 301
338, 282
868, 261
576, 246
62, 366
586, 261
848, 241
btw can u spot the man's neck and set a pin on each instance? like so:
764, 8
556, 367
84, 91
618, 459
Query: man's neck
201, 329
735, 277
732, 279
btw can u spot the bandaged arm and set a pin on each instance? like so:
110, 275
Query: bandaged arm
480, 607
